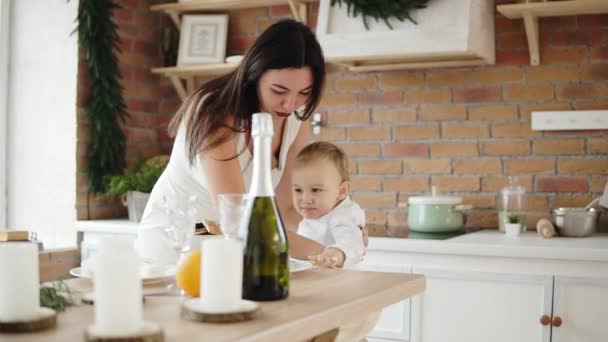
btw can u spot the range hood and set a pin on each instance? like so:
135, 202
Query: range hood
448, 33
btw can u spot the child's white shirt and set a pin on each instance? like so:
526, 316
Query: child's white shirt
339, 228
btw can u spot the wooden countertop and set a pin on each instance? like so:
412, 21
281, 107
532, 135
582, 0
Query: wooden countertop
320, 300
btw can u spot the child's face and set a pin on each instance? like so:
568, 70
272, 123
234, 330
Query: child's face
317, 188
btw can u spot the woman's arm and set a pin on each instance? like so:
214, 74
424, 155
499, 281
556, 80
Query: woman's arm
223, 176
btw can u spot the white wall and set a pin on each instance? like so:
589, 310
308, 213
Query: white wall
4, 46
41, 176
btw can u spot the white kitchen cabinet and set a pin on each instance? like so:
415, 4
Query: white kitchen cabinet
394, 321
478, 306
581, 306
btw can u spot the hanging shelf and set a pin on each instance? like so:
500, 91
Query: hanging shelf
530, 12
174, 9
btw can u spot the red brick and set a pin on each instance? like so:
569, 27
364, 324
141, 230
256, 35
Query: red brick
561, 184
479, 94
482, 219
503, 24
238, 45
571, 38
578, 91
514, 130
560, 201
355, 84
506, 147
496, 183
583, 166
428, 166
528, 92
551, 24
405, 150
527, 109
456, 183
502, 112
435, 113
394, 115
478, 166
332, 134
381, 98
416, 132
597, 146
592, 21
449, 78
598, 183
480, 201
559, 146
400, 80
280, 11
454, 149
532, 166
512, 58
553, 73
599, 54
536, 203
464, 131
338, 118
396, 222
361, 150
512, 41
595, 72
363, 183
428, 96
499, 75
375, 200
563, 55
380, 167
406, 184
369, 133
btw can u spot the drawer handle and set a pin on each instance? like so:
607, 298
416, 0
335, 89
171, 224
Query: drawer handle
557, 321
545, 320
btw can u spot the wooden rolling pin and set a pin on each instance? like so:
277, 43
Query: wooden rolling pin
545, 228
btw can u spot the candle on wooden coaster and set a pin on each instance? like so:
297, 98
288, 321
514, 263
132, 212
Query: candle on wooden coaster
118, 304
19, 281
221, 275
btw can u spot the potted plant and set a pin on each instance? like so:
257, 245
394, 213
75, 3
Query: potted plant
135, 184
513, 226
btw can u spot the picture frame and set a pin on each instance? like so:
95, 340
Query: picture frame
203, 39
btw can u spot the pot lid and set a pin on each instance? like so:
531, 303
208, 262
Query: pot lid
435, 200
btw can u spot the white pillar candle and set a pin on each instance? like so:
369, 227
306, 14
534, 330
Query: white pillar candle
221, 275
19, 281
118, 304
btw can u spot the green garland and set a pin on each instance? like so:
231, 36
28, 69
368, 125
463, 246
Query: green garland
98, 36
382, 9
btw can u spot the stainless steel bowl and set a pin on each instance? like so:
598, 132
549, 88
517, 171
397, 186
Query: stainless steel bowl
575, 222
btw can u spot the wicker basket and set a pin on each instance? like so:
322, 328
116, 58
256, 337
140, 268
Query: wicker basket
135, 202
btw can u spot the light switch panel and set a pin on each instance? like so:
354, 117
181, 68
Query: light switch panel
570, 120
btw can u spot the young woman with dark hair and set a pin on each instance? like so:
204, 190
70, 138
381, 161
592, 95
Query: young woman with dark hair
283, 74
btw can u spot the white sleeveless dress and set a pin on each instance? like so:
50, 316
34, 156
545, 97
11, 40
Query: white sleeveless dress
180, 180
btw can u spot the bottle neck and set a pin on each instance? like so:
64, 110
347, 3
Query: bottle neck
261, 181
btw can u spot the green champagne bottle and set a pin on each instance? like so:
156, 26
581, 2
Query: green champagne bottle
266, 257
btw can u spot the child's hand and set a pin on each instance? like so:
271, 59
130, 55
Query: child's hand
331, 257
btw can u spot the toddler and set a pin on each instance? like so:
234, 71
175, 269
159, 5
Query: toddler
320, 187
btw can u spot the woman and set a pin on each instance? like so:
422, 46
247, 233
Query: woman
282, 74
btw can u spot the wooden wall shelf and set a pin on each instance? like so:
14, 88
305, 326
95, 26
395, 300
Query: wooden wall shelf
530, 12
175, 9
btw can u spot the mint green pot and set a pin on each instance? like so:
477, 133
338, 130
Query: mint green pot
434, 215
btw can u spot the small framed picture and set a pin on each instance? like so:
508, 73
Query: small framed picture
203, 39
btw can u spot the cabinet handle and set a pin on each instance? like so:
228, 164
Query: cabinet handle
545, 320
557, 321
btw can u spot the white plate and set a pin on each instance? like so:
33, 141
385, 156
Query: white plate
296, 265
164, 276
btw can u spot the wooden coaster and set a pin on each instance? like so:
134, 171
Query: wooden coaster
150, 332
47, 319
192, 311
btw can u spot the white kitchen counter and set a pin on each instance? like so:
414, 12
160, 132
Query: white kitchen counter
494, 243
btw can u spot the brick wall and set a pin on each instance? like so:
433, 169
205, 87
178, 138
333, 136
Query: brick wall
462, 129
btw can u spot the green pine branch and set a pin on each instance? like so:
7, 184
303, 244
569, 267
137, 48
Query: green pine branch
98, 36
382, 9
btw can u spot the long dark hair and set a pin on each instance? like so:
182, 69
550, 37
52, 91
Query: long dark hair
285, 44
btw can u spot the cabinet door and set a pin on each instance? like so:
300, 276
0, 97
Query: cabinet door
394, 321
474, 306
582, 306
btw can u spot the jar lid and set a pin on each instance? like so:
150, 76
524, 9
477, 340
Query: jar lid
435, 200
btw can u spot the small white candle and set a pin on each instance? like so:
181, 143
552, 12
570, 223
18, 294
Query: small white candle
118, 304
221, 275
19, 281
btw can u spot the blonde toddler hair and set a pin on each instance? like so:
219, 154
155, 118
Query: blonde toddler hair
323, 150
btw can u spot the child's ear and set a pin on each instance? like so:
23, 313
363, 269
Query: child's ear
344, 190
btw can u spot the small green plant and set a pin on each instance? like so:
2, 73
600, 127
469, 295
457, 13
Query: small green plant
141, 178
56, 296
513, 219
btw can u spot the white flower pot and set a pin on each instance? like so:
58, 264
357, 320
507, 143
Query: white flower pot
513, 229
135, 202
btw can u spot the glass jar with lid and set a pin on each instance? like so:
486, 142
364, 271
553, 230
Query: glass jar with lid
512, 203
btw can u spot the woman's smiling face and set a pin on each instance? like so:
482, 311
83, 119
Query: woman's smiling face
282, 91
